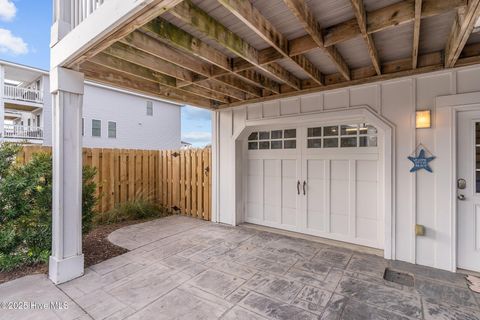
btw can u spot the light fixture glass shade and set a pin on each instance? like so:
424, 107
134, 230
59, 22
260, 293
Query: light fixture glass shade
423, 119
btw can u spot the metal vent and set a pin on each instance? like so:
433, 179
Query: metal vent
402, 278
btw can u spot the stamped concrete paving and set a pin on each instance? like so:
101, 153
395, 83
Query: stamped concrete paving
181, 268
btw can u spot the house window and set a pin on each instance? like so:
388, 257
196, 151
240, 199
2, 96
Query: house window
38, 120
342, 136
149, 108
29, 122
273, 140
96, 128
112, 129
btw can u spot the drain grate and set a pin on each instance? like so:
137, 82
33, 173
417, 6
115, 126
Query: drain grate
398, 277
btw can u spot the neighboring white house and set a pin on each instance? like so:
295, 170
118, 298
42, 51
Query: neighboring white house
112, 118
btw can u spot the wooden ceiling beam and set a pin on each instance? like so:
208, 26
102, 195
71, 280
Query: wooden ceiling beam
108, 76
132, 69
304, 15
416, 32
188, 13
461, 30
361, 16
140, 48
173, 36
377, 20
139, 57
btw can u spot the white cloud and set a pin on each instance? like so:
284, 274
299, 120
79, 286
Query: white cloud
197, 138
194, 113
12, 44
8, 10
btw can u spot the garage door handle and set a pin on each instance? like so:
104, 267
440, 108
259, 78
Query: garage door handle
298, 187
304, 185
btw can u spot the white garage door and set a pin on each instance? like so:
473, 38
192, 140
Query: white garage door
319, 180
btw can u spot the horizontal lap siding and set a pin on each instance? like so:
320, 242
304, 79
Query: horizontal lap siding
176, 179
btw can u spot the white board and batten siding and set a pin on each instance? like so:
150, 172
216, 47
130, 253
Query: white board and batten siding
414, 196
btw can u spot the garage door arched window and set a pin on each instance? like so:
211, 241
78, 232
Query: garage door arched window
342, 136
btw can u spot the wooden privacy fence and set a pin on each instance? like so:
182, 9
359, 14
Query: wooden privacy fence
180, 179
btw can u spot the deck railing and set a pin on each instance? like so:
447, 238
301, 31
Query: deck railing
22, 132
81, 9
22, 94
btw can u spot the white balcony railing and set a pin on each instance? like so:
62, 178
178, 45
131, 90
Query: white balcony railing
22, 132
81, 9
22, 94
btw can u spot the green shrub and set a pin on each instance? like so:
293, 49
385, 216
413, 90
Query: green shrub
26, 207
132, 210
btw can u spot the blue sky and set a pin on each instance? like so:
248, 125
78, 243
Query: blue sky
25, 39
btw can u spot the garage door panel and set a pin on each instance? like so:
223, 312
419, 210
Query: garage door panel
339, 224
255, 211
366, 229
366, 199
315, 220
339, 197
339, 170
367, 170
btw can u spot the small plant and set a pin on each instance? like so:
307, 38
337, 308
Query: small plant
26, 207
132, 210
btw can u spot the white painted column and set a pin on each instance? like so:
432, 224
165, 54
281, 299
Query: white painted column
66, 261
2, 102
62, 20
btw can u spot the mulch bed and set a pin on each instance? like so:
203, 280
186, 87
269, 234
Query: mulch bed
96, 248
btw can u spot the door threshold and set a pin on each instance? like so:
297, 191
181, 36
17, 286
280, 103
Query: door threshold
336, 243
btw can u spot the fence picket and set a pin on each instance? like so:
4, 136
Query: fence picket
179, 179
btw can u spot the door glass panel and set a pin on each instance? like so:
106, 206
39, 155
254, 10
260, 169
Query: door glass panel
330, 131
348, 142
477, 133
264, 135
252, 145
477, 181
349, 130
314, 143
290, 144
276, 144
314, 132
264, 145
367, 129
253, 136
368, 141
290, 133
330, 143
277, 134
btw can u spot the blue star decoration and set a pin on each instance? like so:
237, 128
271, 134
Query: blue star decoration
421, 162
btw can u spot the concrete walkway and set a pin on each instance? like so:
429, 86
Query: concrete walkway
182, 268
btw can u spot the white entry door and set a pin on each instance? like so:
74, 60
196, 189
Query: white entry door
318, 180
468, 190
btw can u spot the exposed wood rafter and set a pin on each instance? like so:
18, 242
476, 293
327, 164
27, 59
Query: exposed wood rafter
207, 25
302, 12
416, 32
361, 16
377, 20
109, 76
461, 30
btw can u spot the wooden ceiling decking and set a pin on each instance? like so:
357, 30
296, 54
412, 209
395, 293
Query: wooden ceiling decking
220, 53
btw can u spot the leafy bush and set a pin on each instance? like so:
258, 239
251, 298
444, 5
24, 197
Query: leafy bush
26, 207
132, 210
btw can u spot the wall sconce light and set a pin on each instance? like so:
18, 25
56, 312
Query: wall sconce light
423, 119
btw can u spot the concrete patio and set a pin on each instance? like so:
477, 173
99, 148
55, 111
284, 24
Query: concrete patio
182, 268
